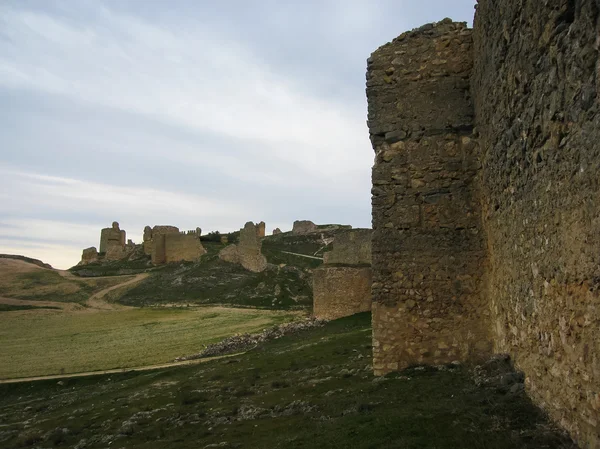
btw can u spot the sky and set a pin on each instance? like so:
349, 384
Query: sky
188, 113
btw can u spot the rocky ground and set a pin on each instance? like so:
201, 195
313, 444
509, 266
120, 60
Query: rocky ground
310, 389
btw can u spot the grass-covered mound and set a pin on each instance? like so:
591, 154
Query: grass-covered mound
26, 281
310, 390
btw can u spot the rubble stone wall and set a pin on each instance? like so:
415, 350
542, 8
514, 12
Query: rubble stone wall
248, 252
536, 92
183, 247
350, 247
428, 245
491, 235
341, 291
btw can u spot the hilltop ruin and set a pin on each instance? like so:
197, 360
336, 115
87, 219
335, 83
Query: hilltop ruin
485, 199
163, 244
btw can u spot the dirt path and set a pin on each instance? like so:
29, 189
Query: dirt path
118, 370
97, 301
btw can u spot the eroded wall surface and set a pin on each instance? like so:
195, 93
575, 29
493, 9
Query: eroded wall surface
248, 251
341, 291
183, 247
536, 88
350, 247
428, 245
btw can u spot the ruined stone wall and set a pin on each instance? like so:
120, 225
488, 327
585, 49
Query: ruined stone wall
341, 291
302, 227
112, 237
155, 244
182, 247
350, 247
428, 245
89, 255
248, 252
536, 88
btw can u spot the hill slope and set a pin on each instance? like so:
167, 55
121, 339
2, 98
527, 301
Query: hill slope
310, 390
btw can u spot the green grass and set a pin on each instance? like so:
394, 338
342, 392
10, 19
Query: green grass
115, 268
312, 390
13, 307
216, 282
273, 248
53, 343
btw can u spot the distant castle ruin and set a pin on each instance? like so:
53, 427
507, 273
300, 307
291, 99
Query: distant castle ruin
486, 229
164, 244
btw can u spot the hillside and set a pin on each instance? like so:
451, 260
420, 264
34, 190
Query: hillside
310, 390
286, 284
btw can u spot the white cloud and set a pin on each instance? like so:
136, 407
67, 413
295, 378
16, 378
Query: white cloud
190, 76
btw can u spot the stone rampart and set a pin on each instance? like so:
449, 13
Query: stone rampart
493, 236
536, 89
303, 227
111, 237
350, 247
428, 245
342, 286
341, 291
248, 250
182, 247
89, 255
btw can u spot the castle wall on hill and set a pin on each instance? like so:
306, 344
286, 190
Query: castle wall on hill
492, 237
182, 247
341, 291
112, 237
342, 285
428, 245
350, 247
248, 251
536, 91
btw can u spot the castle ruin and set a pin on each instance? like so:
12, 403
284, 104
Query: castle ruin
247, 252
166, 244
342, 285
486, 235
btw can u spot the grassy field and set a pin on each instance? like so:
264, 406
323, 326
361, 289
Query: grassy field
311, 390
26, 281
38, 343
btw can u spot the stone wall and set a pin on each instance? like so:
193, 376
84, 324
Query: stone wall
428, 245
302, 227
182, 247
536, 93
111, 237
492, 235
341, 291
344, 289
248, 251
89, 255
167, 244
350, 247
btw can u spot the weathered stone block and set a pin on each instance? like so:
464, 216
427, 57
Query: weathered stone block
341, 291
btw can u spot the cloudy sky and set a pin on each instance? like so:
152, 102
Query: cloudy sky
186, 112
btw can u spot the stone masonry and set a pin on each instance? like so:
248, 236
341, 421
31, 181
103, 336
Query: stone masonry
340, 291
111, 237
167, 244
342, 286
303, 227
248, 250
428, 245
350, 248
491, 236
536, 87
